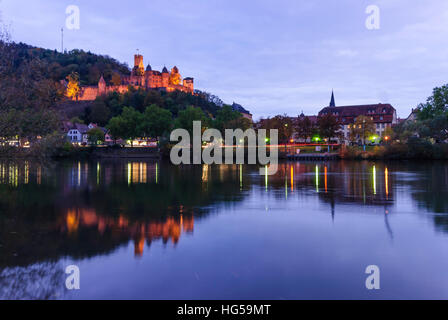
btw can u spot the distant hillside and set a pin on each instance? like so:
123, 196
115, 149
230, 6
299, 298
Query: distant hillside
89, 66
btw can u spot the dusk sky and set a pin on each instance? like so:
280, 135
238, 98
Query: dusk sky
272, 57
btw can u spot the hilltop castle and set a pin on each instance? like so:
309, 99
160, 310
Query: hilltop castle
140, 78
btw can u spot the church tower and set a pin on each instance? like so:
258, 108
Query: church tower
332, 102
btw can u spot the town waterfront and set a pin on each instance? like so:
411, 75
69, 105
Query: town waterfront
151, 230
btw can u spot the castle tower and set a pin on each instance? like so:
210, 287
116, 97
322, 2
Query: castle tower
175, 77
165, 77
102, 88
139, 68
189, 84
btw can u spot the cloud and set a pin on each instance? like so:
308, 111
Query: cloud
347, 53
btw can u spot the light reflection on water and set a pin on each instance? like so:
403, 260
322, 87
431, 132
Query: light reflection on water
160, 231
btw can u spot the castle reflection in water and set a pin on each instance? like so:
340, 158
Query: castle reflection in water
107, 204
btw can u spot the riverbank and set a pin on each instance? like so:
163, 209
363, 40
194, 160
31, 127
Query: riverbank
416, 150
413, 150
81, 153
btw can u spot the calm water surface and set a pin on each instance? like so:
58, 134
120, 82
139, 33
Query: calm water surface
149, 230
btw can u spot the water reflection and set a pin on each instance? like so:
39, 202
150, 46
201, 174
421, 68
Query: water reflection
83, 209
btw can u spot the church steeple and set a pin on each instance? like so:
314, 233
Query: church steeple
332, 102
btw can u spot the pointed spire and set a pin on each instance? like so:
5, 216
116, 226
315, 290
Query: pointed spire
165, 70
332, 102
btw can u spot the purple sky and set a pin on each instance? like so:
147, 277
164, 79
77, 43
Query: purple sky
270, 56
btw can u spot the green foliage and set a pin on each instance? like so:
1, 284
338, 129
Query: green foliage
140, 99
116, 127
363, 128
89, 66
435, 128
282, 123
156, 121
95, 135
27, 123
75, 120
225, 117
99, 113
186, 117
131, 123
304, 128
436, 105
328, 126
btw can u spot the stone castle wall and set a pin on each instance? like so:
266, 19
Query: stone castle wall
139, 78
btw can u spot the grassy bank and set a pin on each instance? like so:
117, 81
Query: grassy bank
417, 149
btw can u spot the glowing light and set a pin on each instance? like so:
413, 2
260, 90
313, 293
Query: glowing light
98, 168
374, 180
292, 178
157, 173
27, 172
317, 178
386, 182
241, 176
316, 138
129, 173
205, 173
79, 174
325, 179
266, 177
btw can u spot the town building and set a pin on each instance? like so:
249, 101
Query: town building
77, 133
382, 115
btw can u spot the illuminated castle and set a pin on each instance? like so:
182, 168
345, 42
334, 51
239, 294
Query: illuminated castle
140, 78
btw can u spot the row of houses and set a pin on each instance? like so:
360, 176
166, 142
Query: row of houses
77, 133
382, 115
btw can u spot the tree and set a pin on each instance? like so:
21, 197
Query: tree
75, 120
304, 128
186, 117
131, 123
116, 127
362, 129
434, 128
435, 105
328, 126
156, 121
99, 113
285, 127
239, 123
73, 85
95, 135
225, 118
